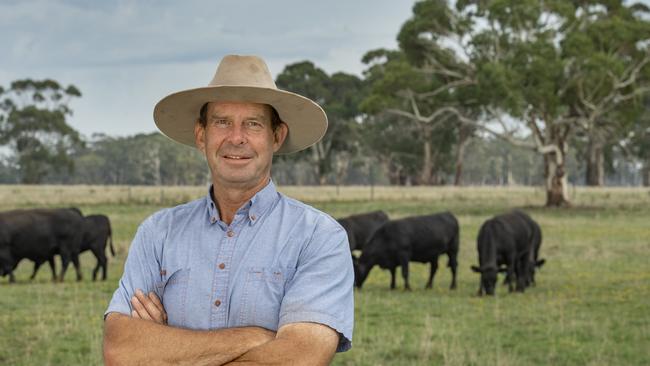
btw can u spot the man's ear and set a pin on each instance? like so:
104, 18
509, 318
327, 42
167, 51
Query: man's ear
279, 135
199, 136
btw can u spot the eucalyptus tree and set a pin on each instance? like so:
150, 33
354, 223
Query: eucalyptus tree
606, 53
427, 83
33, 125
339, 95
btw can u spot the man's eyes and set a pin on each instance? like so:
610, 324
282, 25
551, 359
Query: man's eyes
255, 125
221, 122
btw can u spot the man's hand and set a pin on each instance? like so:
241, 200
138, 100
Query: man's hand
148, 307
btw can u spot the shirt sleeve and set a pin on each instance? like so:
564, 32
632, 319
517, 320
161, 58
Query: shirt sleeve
141, 270
321, 290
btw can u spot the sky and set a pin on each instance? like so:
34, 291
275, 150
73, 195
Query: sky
125, 55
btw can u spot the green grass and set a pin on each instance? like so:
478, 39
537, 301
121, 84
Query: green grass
590, 306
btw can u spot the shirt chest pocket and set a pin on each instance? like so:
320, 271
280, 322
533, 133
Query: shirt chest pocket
173, 290
263, 294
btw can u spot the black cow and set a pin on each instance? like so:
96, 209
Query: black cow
536, 242
360, 227
97, 231
419, 239
38, 235
506, 239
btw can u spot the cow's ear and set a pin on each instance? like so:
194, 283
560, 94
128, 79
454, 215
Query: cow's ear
476, 269
540, 262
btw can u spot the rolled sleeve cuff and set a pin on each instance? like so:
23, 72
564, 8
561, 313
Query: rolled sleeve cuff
345, 336
118, 309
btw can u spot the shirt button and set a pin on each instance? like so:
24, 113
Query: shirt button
230, 233
213, 219
217, 303
253, 217
222, 266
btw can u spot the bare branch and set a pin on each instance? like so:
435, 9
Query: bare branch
633, 72
446, 87
414, 104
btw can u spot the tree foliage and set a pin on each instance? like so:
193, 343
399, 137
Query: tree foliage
339, 95
33, 125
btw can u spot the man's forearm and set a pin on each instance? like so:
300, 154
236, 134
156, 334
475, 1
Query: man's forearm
296, 344
131, 341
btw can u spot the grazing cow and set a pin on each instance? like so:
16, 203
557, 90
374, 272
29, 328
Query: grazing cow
97, 231
536, 242
38, 235
505, 239
417, 238
360, 227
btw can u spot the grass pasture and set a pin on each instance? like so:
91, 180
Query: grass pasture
590, 306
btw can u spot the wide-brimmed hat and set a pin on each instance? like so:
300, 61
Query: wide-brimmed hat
242, 79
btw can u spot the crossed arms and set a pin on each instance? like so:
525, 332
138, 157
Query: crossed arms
144, 337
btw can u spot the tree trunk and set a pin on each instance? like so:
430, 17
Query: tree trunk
463, 141
425, 175
556, 180
595, 164
646, 173
506, 171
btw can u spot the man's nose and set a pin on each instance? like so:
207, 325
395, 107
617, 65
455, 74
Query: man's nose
236, 134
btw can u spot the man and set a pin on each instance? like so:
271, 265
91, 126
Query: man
244, 275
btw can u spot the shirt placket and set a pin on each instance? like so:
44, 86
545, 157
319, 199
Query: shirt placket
222, 276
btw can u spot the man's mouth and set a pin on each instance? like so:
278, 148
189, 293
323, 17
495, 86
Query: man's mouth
236, 157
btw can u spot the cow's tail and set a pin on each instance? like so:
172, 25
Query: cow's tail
110, 239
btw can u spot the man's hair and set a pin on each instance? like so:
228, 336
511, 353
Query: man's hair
275, 117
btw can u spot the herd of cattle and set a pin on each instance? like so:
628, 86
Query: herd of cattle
507, 243
40, 234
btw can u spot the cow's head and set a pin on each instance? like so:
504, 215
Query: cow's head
488, 278
6, 261
361, 271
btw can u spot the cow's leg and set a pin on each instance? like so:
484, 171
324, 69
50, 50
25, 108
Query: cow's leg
522, 274
105, 268
405, 273
101, 263
52, 267
511, 275
532, 275
432, 272
77, 267
95, 270
453, 265
511, 272
392, 278
37, 265
104, 263
65, 260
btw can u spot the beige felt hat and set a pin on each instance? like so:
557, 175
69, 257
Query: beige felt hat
242, 79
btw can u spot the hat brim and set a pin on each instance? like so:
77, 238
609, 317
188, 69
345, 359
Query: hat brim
176, 114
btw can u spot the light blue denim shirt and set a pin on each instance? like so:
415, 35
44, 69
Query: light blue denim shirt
280, 261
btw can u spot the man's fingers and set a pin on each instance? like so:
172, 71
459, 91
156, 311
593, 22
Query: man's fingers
156, 301
140, 309
154, 298
153, 311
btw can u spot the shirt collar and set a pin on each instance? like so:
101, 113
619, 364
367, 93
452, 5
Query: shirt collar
257, 206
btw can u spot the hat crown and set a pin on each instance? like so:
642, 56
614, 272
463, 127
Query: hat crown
237, 70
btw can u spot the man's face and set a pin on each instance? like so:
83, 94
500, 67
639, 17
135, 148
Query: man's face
238, 142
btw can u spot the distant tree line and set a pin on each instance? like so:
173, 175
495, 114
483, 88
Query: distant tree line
549, 92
